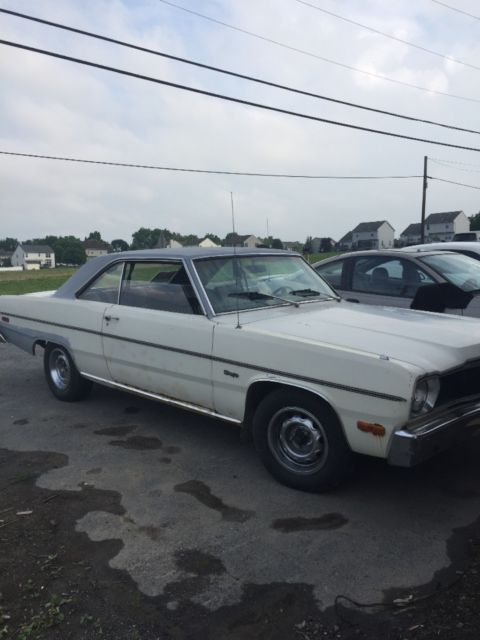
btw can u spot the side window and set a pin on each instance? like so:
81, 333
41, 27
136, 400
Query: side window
388, 276
105, 288
332, 273
162, 286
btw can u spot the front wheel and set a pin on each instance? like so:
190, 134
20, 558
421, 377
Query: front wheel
300, 441
62, 375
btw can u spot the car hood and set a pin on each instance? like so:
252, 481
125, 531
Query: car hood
430, 341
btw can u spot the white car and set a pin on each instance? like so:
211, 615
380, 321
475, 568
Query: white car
471, 249
258, 338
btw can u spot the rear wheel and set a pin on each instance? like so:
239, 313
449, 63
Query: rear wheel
62, 375
300, 441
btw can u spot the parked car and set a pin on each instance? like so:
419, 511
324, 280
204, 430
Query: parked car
471, 249
394, 277
257, 338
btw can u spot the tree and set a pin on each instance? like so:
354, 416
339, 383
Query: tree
326, 245
9, 244
277, 244
69, 250
308, 245
475, 222
94, 235
119, 245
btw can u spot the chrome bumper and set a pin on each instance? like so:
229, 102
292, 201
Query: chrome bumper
426, 438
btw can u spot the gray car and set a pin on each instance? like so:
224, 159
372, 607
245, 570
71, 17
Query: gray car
394, 277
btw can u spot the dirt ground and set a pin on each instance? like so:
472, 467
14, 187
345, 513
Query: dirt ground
56, 583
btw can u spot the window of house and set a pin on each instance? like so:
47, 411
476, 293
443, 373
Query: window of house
162, 286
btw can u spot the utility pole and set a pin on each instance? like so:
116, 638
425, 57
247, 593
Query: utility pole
424, 199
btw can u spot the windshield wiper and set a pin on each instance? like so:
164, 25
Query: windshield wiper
311, 293
257, 295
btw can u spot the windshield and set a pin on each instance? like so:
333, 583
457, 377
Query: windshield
460, 270
249, 282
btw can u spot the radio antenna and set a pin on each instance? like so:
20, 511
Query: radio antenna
235, 263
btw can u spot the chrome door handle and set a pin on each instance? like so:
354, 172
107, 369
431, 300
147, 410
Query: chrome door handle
111, 318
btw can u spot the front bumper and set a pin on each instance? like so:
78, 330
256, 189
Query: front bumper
432, 434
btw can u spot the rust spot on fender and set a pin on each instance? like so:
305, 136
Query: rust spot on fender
371, 427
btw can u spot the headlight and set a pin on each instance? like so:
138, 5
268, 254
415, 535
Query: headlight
425, 395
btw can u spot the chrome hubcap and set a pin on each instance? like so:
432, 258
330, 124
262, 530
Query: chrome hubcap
297, 439
59, 369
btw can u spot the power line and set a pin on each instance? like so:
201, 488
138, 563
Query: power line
460, 184
232, 73
317, 56
454, 162
220, 96
451, 165
444, 4
208, 171
388, 35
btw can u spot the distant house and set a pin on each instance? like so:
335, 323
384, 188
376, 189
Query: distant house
412, 234
293, 246
33, 256
95, 248
441, 227
345, 243
207, 243
373, 235
234, 240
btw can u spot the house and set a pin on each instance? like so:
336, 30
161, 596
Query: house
373, 235
441, 227
234, 240
345, 243
293, 246
207, 243
95, 248
412, 234
33, 256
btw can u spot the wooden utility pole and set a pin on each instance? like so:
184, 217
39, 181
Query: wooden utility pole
424, 199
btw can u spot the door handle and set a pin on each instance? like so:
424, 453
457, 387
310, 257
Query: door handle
352, 300
111, 318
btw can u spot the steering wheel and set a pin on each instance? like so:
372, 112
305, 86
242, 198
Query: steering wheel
282, 291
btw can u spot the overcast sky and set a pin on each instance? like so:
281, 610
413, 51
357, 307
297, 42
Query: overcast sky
59, 108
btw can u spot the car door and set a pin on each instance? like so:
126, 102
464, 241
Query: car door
386, 280
157, 338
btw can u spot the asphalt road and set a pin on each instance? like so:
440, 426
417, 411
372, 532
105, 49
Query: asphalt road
193, 493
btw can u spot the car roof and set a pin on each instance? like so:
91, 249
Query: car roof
398, 253
91, 268
443, 246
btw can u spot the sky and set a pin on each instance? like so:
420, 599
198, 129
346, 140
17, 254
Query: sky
59, 108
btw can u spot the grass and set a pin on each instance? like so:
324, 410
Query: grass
15, 282
316, 257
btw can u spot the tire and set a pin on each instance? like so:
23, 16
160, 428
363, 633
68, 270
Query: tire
62, 375
300, 441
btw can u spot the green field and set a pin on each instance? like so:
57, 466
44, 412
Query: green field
316, 257
14, 282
